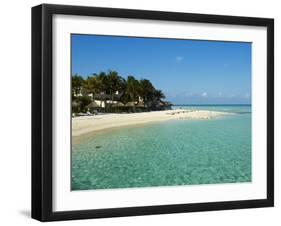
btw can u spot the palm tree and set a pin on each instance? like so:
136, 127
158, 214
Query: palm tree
104, 86
102, 77
92, 85
158, 95
114, 83
132, 89
147, 91
103, 80
76, 83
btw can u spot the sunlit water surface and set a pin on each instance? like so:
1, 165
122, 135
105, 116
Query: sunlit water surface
176, 152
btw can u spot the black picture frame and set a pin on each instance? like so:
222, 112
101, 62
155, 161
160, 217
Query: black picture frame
42, 111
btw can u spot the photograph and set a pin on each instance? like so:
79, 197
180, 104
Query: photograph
150, 112
140, 112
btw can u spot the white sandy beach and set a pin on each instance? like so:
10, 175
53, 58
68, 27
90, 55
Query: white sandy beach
86, 124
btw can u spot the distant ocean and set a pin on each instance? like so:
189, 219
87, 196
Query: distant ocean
176, 152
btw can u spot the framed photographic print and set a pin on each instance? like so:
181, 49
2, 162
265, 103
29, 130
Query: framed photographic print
145, 112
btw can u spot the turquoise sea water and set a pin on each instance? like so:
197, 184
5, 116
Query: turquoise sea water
177, 152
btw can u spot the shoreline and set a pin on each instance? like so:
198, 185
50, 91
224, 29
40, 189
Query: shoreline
87, 124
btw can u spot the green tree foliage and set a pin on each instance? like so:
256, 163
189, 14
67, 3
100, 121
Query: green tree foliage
132, 88
147, 90
114, 83
80, 103
76, 82
92, 85
158, 95
104, 86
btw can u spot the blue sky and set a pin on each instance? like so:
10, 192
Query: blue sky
188, 71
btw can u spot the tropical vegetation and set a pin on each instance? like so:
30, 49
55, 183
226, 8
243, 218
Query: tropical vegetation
110, 92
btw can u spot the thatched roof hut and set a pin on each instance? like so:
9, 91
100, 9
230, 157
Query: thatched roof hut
161, 104
130, 104
164, 104
118, 104
93, 105
140, 105
75, 103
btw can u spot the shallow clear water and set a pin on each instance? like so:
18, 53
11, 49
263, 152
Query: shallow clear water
178, 152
